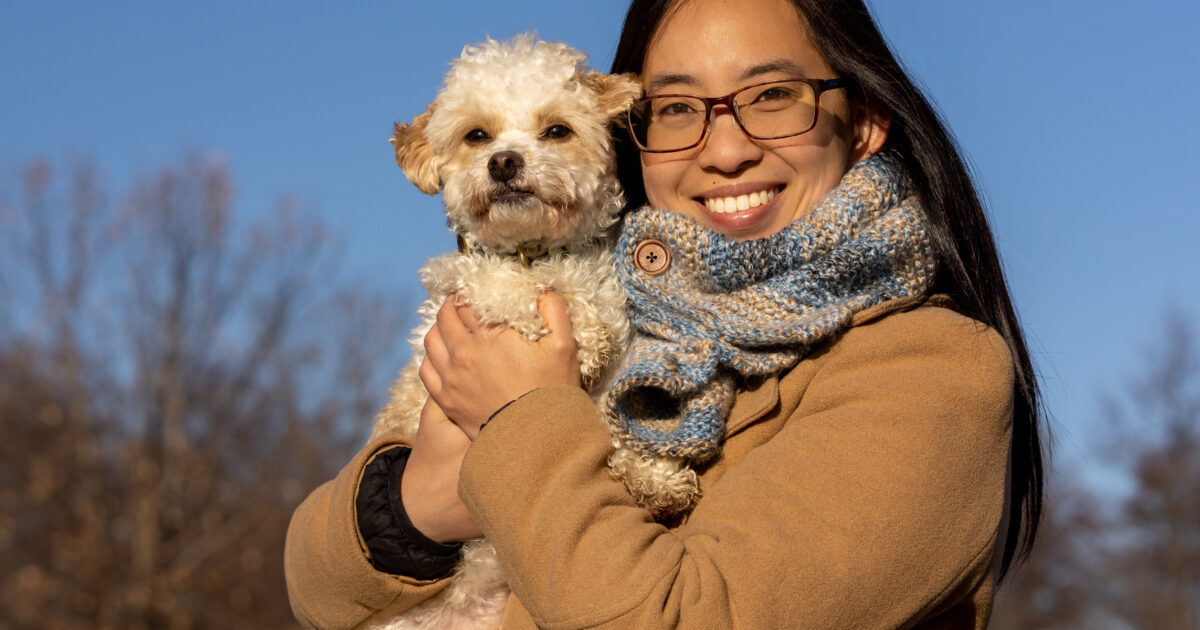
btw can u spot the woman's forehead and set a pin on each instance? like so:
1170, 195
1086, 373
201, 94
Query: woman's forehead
719, 43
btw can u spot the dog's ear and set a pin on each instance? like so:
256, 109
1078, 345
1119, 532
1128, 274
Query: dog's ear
414, 154
616, 92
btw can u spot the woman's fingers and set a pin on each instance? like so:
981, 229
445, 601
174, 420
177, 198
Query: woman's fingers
553, 309
437, 358
453, 325
450, 319
467, 317
451, 353
430, 379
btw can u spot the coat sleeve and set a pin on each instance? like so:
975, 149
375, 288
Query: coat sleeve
331, 583
877, 504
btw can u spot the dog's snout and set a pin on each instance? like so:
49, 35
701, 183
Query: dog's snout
504, 165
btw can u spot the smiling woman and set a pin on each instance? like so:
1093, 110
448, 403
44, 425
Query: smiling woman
745, 44
823, 335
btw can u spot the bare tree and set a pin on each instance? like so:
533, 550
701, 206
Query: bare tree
1158, 551
1127, 558
172, 382
1057, 587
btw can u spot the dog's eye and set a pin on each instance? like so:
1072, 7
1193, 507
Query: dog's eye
477, 136
557, 132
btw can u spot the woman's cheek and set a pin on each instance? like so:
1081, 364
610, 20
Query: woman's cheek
662, 175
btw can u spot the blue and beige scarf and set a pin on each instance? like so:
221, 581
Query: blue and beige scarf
723, 310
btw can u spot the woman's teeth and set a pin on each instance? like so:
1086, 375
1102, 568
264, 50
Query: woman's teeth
739, 203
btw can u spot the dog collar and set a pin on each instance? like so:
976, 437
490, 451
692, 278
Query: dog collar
527, 253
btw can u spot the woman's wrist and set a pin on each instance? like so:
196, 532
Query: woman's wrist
428, 491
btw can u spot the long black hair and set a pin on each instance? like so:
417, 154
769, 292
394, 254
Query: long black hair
969, 267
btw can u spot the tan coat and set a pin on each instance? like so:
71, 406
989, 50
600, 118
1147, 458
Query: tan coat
865, 488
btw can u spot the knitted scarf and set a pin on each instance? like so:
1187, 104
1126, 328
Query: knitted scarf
725, 309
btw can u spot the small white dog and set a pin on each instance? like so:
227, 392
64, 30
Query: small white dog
518, 142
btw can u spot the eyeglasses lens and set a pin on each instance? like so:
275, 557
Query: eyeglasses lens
772, 110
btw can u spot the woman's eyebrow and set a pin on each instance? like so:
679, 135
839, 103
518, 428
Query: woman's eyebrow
660, 81
785, 66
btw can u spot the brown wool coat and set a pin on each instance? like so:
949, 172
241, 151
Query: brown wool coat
864, 488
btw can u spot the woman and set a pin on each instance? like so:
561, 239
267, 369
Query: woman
831, 346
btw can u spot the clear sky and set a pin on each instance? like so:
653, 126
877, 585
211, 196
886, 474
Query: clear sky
1078, 116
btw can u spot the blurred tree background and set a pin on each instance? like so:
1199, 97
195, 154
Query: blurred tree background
175, 379
1127, 554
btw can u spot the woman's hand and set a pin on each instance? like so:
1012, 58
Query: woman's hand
429, 486
471, 370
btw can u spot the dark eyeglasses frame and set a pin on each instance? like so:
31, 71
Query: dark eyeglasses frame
819, 86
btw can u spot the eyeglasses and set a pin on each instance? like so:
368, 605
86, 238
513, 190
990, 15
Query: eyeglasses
764, 111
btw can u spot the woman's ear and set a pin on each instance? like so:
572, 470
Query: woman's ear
415, 155
871, 126
615, 92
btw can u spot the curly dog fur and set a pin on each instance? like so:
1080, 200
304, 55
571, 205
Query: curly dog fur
518, 143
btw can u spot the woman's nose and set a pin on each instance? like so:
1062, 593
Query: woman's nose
727, 148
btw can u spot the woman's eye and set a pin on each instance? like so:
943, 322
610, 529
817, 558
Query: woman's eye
676, 108
557, 132
477, 136
774, 94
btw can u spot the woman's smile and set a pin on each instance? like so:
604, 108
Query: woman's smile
731, 201
737, 208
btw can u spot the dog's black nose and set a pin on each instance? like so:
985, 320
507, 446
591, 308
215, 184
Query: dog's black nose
504, 165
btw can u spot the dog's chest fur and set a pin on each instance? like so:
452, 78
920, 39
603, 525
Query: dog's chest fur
502, 291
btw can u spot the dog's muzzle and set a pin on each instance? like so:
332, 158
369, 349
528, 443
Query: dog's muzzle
504, 166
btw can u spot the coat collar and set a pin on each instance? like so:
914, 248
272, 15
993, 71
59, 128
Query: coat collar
756, 399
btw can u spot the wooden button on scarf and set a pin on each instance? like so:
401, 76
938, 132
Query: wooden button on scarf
652, 257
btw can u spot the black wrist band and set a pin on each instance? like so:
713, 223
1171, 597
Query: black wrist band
395, 544
502, 408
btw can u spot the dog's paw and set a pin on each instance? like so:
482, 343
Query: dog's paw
664, 486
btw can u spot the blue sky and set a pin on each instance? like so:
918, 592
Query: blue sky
1077, 115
